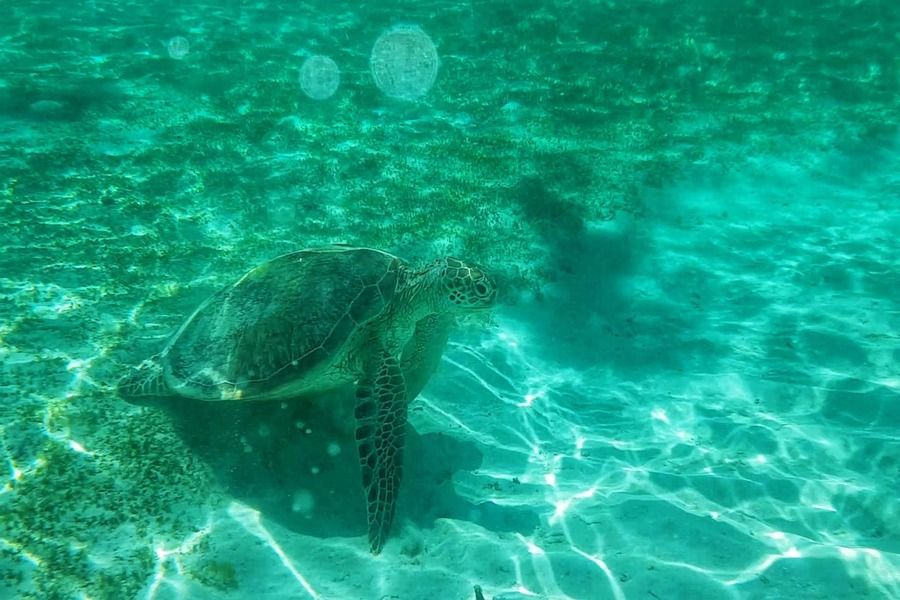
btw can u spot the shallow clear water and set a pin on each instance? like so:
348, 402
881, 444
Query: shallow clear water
690, 388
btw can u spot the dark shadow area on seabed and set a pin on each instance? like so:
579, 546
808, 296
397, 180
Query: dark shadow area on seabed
296, 462
583, 315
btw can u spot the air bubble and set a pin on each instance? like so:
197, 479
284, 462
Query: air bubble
302, 502
178, 47
319, 77
404, 62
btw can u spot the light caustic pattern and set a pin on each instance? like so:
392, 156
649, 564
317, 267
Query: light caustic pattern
755, 469
757, 458
175, 561
58, 470
681, 487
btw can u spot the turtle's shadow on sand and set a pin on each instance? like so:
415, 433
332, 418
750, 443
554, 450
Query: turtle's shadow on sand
296, 463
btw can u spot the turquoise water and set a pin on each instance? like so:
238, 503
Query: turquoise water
690, 387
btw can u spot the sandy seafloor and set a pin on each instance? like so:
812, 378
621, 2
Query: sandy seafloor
692, 385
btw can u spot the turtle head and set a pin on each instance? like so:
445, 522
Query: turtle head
463, 287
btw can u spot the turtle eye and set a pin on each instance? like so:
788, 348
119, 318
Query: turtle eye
481, 289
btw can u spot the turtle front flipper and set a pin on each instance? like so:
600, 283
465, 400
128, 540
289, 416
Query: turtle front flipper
422, 354
380, 428
145, 380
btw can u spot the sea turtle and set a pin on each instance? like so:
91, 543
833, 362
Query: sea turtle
320, 319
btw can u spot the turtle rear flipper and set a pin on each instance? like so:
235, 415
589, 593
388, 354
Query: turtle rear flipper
380, 428
144, 381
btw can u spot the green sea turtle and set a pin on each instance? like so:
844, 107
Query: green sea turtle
317, 320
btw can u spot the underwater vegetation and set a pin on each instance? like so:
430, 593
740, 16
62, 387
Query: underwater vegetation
151, 152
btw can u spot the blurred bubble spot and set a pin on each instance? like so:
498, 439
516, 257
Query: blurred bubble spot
404, 62
302, 502
178, 47
319, 77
